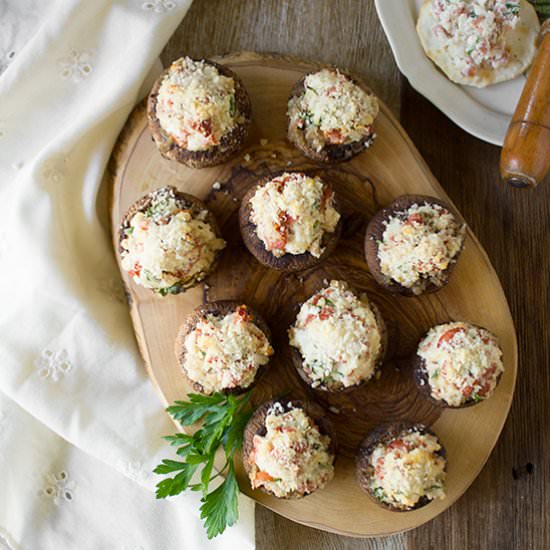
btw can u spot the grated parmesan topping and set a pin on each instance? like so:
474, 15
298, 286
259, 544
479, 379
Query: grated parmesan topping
333, 110
292, 212
292, 456
168, 244
474, 31
462, 361
418, 244
196, 104
407, 469
338, 337
225, 352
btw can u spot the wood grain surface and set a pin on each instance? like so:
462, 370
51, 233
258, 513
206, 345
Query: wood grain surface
508, 506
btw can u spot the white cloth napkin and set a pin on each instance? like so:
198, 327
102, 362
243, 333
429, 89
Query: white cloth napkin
69, 364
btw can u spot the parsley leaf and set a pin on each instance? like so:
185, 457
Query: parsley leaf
223, 420
220, 507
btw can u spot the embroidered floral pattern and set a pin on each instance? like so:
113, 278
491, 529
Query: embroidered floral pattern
77, 65
158, 6
5, 59
53, 364
132, 469
58, 487
55, 168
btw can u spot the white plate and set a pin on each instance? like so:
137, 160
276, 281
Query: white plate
483, 112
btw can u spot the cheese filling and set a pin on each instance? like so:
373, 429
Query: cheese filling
463, 362
338, 337
407, 469
292, 212
333, 110
293, 456
168, 244
225, 352
418, 244
196, 104
474, 32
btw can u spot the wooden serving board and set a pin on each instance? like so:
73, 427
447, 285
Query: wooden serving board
390, 168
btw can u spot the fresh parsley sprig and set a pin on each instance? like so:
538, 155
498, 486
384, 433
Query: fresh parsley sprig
223, 420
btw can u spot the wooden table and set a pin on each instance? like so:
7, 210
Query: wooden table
508, 506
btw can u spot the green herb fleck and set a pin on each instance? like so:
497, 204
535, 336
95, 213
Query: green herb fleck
232, 106
379, 493
476, 398
312, 90
223, 421
174, 289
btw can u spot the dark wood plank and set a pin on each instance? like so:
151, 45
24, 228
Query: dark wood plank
508, 506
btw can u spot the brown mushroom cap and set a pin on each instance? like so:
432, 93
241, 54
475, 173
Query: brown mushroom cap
287, 262
330, 153
229, 144
256, 426
384, 434
186, 201
375, 232
298, 361
422, 382
220, 308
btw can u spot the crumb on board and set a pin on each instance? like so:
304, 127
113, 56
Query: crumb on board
247, 157
235, 199
334, 409
289, 163
378, 375
273, 155
264, 142
217, 186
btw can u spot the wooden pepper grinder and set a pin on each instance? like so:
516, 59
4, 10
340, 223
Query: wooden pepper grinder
525, 156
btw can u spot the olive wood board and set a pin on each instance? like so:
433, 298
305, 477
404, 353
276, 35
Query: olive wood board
391, 167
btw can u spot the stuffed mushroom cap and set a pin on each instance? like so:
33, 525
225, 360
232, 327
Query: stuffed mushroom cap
289, 448
290, 220
338, 340
413, 244
169, 241
458, 364
224, 347
199, 113
331, 116
402, 466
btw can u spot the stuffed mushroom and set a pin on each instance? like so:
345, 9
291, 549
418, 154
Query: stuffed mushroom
413, 244
199, 113
402, 466
458, 364
169, 241
289, 449
338, 340
223, 347
290, 220
331, 116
